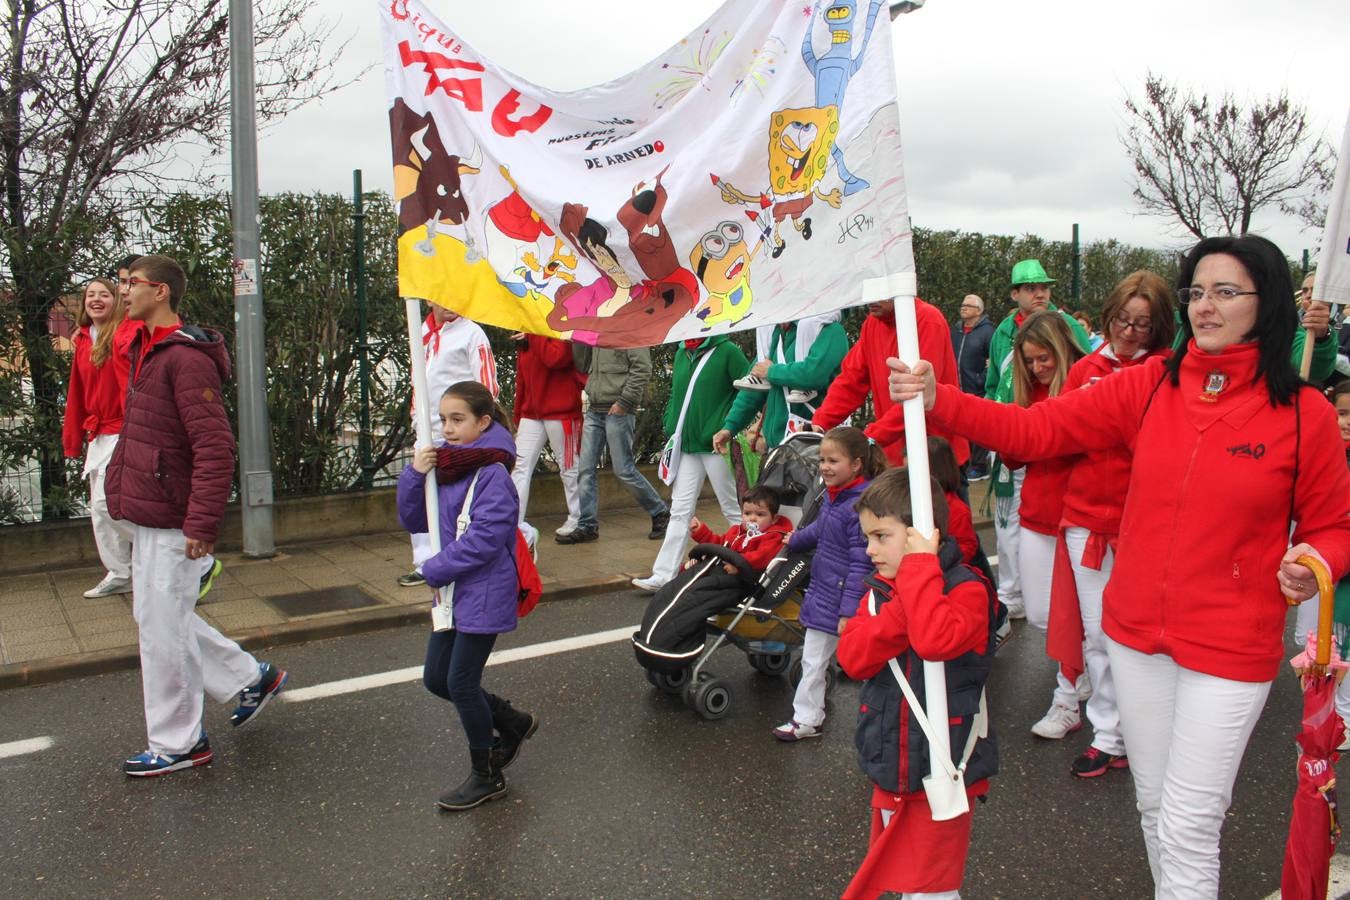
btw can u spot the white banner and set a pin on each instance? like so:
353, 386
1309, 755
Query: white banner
1332, 283
749, 175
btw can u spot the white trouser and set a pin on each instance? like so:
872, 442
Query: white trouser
1186, 732
530, 439
1101, 708
1036, 559
1305, 620
112, 536
180, 653
808, 704
1005, 537
694, 467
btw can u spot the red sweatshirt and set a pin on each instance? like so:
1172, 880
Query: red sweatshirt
961, 526
97, 394
1044, 484
1206, 517
547, 386
758, 550
1095, 495
864, 369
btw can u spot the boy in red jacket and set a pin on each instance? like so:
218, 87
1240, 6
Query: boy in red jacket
170, 476
761, 534
924, 604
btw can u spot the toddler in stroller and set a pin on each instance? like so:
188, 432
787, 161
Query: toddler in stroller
741, 573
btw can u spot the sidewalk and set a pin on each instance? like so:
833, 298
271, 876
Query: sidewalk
49, 631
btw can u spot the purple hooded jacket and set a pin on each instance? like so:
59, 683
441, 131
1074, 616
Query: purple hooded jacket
482, 563
840, 563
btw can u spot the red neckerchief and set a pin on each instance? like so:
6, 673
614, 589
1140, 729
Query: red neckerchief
149, 338
432, 335
692, 344
836, 491
1019, 317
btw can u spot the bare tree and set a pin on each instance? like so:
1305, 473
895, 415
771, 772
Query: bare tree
1211, 165
98, 98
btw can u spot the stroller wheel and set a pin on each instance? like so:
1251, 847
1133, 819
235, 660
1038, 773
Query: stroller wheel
712, 699
669, 682
770, 663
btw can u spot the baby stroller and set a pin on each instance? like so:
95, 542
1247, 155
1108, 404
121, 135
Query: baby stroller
703, 608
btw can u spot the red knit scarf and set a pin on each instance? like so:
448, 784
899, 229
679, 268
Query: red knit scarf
453, 463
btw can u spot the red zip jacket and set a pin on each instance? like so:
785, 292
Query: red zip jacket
96, 394
758, 550
547, 386
864, 369
1206, 516
1095, 495
1044, 484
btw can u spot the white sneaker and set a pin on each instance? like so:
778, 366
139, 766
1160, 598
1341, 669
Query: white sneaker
1016, 610
651, 584
1057, 723
750, 383
796, 396
110, 586
566, 527
793, 730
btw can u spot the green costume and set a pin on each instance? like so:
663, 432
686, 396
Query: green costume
713, 393
814, 373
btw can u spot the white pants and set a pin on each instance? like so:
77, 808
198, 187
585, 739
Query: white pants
530, 439
112, 536
694, 467
1102, 710
808, 704
1186, 732
1305, 620
180, 654
1006, 540
1036, 559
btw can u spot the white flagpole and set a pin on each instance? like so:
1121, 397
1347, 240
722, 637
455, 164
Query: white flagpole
422, 412
945, 798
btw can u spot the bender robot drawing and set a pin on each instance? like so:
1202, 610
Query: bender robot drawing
836, 66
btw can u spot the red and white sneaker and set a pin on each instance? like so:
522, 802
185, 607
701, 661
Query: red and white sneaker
795, 731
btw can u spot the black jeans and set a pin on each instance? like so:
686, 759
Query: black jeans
454, 671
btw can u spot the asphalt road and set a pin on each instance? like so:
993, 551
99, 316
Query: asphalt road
623, 792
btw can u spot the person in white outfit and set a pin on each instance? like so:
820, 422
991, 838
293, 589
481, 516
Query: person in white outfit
457, 349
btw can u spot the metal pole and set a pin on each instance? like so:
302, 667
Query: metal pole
255, 456
362, 346
1077, 271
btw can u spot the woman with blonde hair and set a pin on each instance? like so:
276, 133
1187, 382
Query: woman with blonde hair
93, 420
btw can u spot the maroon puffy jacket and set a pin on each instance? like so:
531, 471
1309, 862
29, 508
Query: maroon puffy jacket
174, 464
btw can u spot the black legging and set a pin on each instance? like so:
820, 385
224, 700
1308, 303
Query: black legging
454, 671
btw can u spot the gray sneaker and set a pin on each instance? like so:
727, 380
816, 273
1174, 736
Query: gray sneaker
110, 586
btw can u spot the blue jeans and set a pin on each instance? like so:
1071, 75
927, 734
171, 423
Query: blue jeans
601, 428
454, 671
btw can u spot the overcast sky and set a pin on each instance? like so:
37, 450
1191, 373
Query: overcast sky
1010, 111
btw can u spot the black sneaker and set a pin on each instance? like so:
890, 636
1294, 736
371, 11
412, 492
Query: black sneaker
1094, 763
412, 579
149, 764
209, 579
659, 523
578, 536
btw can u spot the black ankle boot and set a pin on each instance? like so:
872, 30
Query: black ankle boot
515, 727
485, 782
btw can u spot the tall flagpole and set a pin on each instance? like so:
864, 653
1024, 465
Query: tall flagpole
422, 412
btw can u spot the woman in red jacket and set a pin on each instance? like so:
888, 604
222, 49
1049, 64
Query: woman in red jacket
547, 408
1230, 448
1140, 321
98, 390
1043, 352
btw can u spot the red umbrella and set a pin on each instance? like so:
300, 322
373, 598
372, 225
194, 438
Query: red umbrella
1313, 826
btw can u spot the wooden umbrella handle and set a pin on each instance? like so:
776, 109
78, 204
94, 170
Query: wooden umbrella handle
1305, 364
1326, 598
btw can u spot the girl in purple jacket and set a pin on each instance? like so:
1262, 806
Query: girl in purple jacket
480, 564
848, 462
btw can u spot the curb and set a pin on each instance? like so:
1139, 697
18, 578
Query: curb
326, 625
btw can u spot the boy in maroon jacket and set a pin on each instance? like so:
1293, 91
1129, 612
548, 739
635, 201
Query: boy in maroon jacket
170, 476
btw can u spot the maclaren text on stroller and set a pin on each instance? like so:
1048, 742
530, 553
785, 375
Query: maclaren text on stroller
703, 608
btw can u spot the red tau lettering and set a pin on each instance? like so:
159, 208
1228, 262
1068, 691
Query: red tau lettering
468, 91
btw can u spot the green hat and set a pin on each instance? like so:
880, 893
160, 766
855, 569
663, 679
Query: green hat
1030, 271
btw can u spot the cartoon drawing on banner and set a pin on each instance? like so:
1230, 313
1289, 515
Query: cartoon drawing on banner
721, 261
800, 141
426, 176
512, 233
836, 68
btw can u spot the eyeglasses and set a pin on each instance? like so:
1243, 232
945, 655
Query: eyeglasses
133, 281
1219, 295
1142, 326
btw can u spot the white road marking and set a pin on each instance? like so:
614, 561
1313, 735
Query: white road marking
22, 748
1338, 886
413, 673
